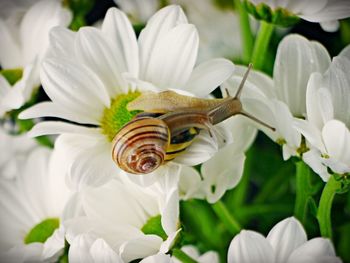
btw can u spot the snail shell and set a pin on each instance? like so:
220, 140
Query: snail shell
140, 146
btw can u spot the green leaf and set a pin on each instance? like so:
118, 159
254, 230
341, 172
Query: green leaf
154, 227
42, 231
12, 75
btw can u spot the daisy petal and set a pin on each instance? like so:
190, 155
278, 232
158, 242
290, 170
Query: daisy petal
296, 59
285, 237
249, 246
10, 54
336, 137
313, 159
208, 76
37, 23
173, 69
116, 26
50, 109
74, 87
79, 249
101, 252
140, 248
61, 42
158, 25
316, 250
57, 127
93, 49
222, 172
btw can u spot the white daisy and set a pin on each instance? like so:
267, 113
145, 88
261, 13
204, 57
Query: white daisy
22, 46
286, 242
32, 208
200, 13
325, 12
92, 82
327, 123
224, 170
134, 221
278, 101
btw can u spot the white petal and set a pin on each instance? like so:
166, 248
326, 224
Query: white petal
209, 257
170, 213
57, 127
10, 53
208, 76
330, 26
118, 29
312, 102
296, 59
345, 53
335, 9
101, 252
74, 87
285, 237
35, 173
316, 250
50, 109
173, 57
337, 81
222, 172
190, 184
248, 247
336, 137
79, 249
93, 49
140, 248
311, 132
37, 23
313, 159
201, 150
54, 245
158, 25
61, 43
169, 242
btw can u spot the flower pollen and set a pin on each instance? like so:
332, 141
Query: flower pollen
115, 117
42, 231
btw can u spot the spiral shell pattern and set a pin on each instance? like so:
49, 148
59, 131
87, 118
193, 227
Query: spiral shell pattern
140, 146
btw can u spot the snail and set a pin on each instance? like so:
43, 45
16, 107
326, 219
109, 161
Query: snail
168, 125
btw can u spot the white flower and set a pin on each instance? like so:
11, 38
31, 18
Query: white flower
134, 221
326, 12
14, 151
32, 208
84, 83
22, 46
192, 251
280, 100
326, 127
286, 242
89, 249
200, 13
224, 170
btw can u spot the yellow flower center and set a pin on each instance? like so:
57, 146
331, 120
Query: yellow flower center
115, 117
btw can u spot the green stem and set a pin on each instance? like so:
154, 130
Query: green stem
325, 206
226, 217
246, 33
302, 191
182, 256
261, 44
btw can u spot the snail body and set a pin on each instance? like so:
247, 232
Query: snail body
168, 125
